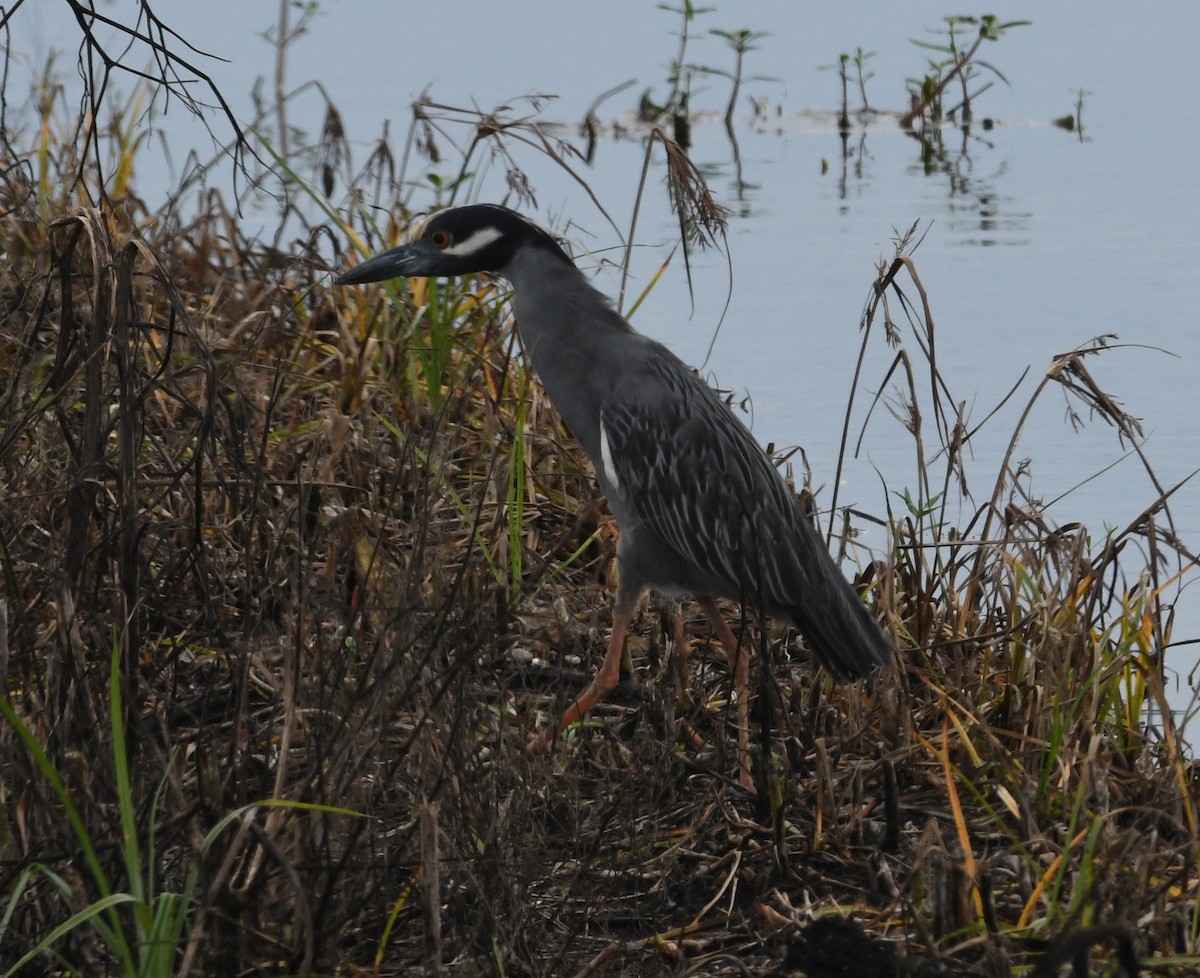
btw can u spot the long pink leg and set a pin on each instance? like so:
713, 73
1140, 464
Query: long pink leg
602, 685
739, 663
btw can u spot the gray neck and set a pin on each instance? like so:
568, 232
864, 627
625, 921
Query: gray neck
571, 335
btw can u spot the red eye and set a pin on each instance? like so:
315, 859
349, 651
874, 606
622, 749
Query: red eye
440, 239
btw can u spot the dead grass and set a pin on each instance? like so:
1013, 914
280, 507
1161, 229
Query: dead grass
301, 536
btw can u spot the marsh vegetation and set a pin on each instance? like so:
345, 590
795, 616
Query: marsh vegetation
288, 574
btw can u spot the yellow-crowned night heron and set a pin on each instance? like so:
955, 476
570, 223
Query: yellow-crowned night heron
701, 509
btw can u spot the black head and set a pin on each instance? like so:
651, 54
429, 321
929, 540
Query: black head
458, 241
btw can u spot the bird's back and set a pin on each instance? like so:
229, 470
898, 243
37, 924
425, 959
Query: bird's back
705, 506
702, 510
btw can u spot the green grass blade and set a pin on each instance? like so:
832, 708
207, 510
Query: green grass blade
105, 905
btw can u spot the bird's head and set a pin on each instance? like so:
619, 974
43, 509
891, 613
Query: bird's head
458, 241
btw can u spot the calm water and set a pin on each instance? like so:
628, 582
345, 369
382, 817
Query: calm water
1037, 240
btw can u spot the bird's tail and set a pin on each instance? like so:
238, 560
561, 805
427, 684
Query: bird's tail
820, 602
801, 582
841, 632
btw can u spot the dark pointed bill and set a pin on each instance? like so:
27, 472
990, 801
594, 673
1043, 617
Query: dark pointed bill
391, 264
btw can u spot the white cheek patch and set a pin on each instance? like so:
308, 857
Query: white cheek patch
475, 243
606, 460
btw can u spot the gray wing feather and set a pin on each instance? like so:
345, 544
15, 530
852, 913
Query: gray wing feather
694, 475
692, 472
